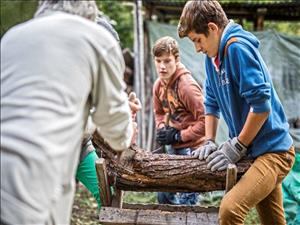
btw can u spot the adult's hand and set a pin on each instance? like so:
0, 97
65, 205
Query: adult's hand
125, 157
134, 104
135, 133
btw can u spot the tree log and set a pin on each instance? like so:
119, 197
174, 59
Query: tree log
162, 172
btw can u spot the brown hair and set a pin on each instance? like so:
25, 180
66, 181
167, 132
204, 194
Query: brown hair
197, 14
166, 45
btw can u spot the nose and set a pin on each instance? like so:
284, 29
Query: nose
162, 66
197, 47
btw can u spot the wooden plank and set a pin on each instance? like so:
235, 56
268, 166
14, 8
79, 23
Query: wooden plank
231, 176
104, 189
171, 208
157, 217
115, 216
210, 218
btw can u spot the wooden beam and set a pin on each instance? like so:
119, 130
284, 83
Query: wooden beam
172, 208
114, 216
104, 188
202, 218
260, 17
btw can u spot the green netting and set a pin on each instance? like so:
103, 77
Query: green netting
280, 52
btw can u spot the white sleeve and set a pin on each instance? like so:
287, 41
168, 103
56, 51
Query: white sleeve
112, 114
90, 127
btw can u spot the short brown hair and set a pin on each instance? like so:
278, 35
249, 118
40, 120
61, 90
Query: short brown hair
165, 45
197, 14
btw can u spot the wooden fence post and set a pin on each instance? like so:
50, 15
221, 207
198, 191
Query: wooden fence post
104, 188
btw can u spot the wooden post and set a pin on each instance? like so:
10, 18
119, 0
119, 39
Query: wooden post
260, 17
139, 71
117, 200
104, 189
231, 176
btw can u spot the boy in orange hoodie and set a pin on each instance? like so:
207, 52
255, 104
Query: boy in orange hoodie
178, 109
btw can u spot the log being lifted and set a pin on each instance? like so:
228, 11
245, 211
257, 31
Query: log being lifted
162, 172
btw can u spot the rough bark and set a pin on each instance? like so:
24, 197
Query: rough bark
162, 172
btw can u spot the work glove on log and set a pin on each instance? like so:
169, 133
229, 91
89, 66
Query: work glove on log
230, 151
205, 150
125, 157
168, 135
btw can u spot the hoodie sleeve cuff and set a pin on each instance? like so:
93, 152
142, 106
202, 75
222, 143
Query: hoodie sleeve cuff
261, 107
212, 111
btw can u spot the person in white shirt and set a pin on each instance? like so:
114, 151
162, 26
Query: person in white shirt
55, 69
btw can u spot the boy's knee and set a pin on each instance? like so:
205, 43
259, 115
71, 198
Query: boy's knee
228, 211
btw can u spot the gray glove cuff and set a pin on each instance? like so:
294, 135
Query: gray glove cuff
239, 145
211, 143
235, 151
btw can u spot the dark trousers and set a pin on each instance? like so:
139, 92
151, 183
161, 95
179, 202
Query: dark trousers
177, 198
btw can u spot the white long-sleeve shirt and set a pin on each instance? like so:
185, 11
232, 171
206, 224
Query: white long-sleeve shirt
54, 69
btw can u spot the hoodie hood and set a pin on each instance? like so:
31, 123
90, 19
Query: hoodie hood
233, 30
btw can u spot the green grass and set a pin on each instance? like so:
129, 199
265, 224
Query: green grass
139, 197
205, 199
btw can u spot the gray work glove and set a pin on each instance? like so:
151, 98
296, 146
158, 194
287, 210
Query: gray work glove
125, 157
230, 151
205, 150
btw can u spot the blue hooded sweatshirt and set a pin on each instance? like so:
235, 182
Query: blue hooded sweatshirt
242, 84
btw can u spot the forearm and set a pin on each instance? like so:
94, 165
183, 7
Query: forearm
252, 126
211, 125
118, 130
159, 120
195, 131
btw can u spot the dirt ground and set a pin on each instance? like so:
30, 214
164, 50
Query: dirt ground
85, 210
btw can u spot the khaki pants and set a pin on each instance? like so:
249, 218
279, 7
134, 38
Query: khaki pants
261, 187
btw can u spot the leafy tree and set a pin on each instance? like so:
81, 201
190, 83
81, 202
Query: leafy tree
16, 11
121, 15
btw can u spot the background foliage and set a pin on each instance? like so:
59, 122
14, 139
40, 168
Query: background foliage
121, 15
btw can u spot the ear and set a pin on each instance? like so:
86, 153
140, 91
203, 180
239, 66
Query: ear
212, 26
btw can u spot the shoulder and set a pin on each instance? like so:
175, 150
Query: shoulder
156, 85
187, 80
240, 47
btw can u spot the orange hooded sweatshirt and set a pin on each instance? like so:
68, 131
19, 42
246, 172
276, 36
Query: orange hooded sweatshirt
181, 99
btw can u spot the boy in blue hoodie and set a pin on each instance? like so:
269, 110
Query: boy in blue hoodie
239, 86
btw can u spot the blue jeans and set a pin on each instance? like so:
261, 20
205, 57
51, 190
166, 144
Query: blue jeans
177, 198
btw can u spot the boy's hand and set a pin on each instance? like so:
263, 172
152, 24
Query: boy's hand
205, 150
230, 151
168, 135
